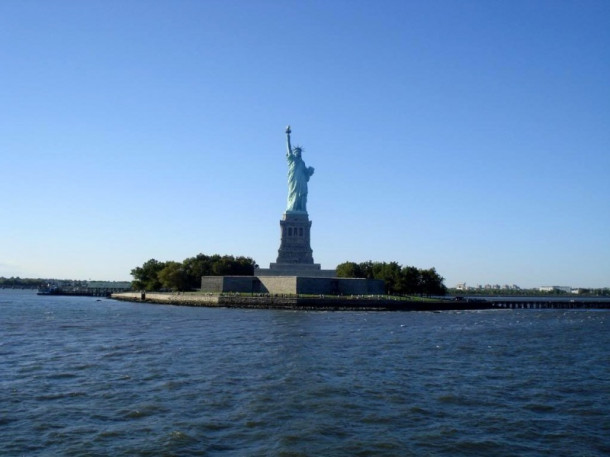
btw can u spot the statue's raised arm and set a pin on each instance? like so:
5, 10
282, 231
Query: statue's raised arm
288, 131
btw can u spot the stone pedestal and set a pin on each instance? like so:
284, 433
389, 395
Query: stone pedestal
295, 240
295, 254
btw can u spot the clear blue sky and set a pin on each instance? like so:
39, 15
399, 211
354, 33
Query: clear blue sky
470, 136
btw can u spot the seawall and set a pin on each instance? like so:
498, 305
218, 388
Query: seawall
356, 303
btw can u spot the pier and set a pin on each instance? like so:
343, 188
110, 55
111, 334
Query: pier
541, 303
81, 291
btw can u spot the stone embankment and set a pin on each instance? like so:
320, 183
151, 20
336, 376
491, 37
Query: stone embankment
352, 303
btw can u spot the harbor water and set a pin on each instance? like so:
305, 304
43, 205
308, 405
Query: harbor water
83, 376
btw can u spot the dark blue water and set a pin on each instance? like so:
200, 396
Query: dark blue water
81, 377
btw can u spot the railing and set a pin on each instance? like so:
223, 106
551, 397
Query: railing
550, 304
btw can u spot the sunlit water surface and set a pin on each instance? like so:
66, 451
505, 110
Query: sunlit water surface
86, 377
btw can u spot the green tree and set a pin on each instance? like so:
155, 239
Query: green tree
146, 277
186, 275
230, 266
174, 277
390, 273
402, 280
410, 280
195, 268
349, 270
244, 266
432, 282
367, 269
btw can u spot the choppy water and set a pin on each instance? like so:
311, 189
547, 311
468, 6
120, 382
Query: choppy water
80, 377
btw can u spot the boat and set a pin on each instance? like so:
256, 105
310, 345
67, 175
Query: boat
48, 289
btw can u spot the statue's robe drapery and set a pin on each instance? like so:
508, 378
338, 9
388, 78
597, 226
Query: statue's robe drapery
298, 176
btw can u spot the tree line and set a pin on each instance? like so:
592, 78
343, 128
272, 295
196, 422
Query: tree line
398, 279
22, 283
534, 292
186, 275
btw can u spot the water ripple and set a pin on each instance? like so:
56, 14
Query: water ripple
80, 377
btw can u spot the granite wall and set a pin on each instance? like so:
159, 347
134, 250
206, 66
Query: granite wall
292, 285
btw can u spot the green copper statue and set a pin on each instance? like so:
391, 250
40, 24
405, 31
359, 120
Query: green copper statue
298, 176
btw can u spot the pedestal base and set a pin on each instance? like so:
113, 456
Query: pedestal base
295, 245
295, 254
292, 269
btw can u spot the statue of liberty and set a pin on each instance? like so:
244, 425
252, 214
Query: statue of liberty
298, 176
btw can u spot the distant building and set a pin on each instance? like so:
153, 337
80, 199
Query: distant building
462, 286
566, 289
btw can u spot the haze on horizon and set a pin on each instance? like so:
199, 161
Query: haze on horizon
467, 136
